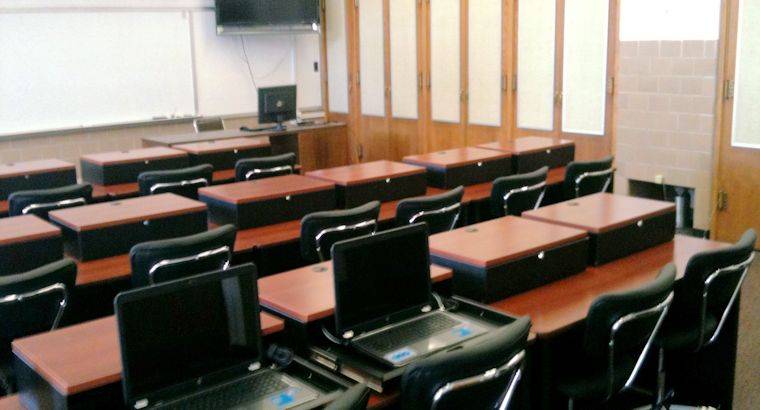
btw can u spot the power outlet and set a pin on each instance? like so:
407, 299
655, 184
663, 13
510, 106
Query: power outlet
659, 179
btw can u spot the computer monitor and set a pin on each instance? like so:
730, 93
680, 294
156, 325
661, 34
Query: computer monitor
189, 333
277, 104
381, 278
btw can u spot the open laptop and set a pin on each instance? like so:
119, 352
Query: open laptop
384, 305
195, 343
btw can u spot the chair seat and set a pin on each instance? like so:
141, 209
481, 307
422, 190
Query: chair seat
683, 336
587, 382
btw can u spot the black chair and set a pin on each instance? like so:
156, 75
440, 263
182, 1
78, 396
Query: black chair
620, 331
355, 398
169, 259
30, 303
586, 178
320, 230
40, 202
441, 212
479, 376
208, 124
515, 194
185, 181
703, 299
265, 167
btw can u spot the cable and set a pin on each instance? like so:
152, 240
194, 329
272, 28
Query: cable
248, 64
330, 336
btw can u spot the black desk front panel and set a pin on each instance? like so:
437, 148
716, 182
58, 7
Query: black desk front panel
128, 172
45, 180
470, 174
384, 190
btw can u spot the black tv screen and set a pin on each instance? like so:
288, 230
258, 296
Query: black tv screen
267, 12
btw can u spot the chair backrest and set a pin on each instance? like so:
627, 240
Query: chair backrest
515, 194
622, 326
185, 181
169, 259
355, 398
483, 375
320, 230
41, 202
585, 178
34, 301
208, 124
265, 167
439, 212
710, 286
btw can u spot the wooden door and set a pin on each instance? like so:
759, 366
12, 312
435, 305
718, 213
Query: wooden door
565, 72
737, 167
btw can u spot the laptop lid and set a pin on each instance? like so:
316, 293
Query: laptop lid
381, 279
182, 335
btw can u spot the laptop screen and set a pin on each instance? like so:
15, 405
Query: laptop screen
380, 275
188, 332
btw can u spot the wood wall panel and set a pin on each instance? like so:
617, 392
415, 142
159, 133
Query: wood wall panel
372, 138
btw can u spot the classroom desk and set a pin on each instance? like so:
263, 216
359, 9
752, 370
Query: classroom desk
250, 204
121, 167
381, 181
38, 174
28, 242
532, 153
508, 255
290, 231
171, 140
619, 225
79, 359
307, 294
462, 166
132, 189
224, 154
559, 305
316, 145
108, 229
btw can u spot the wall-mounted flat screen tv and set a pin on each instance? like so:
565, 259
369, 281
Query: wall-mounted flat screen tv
267, 16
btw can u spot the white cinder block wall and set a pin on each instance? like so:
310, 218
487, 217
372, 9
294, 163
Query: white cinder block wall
666, 96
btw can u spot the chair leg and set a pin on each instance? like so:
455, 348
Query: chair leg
570, 404
660, 395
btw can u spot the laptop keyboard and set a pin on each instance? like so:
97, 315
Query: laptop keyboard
234, 394
407, 333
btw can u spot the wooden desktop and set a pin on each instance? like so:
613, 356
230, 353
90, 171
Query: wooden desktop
374, 181
462, 166
88, 360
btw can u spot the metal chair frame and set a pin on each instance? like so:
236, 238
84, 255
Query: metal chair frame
457, 206
514, 365
161, 185
590, 174
257, 171
541, 185
202, 255
53, 205
363, 224
56, 287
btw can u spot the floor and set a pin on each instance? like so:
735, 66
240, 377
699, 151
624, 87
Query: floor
747, 387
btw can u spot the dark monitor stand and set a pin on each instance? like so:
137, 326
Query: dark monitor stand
276, 105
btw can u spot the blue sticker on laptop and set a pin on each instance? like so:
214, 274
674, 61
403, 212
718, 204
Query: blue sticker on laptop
284, 399
462, 332
400, 355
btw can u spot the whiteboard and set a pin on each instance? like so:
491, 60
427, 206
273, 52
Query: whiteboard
223, 78
445, 60
72, 69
